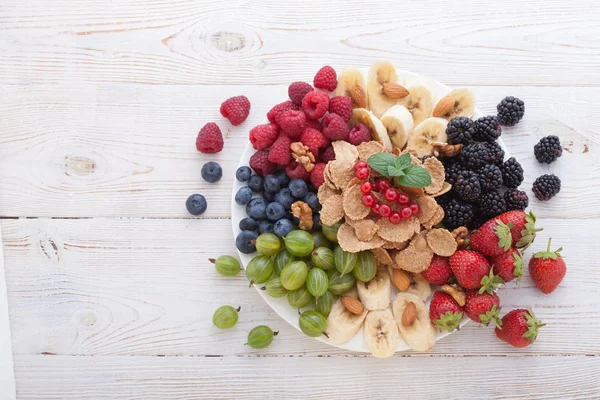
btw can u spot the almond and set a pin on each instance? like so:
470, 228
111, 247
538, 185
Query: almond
395, 91
358, 96
352, 305
457, 294
443, 107
410, 314
401, 279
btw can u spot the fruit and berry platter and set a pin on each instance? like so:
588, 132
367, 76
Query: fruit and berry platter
378, 210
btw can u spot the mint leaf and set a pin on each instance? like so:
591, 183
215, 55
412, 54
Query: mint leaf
381, 161
393, 171
415, 176
403, 161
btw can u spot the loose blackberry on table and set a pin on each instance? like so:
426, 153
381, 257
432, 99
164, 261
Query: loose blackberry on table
460, 130
490, 177
546, 186
548, 149
512, 173
467, 186
510, 111
516, 199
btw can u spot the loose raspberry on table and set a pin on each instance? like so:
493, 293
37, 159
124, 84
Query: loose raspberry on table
280, 153
292, 123
298, 90
358, 134
314, 124
314, 140
210, 139
317, 175
279, 108
326, 78
263, 136
342, 106
334, 127
260, 163
315, 104
297, 171
327, 155
236, 109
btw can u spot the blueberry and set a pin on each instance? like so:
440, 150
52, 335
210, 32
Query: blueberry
255, 200
283, 178
265, 227
248, 224
255, 183
284, 196
196, 204
211, 172
275, 211
313, 202
245, 241
316, 222
269, 197
295, 220
271, 184
243, 174
257, 209
283, 227
243, 196
298, 188
312, 189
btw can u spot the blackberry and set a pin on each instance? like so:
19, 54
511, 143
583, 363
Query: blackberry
487, 129
460, 130
477, 221
474, 155
512, 173
510, 111
516, 200
546, 187
548, 149
491, 204
457, 213
451, 168
425, 158
495, 153
490, 177
466, 186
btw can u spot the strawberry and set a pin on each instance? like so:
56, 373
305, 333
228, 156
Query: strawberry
483, 308
508, 265
444, 311
439, 271
519, 328
473, 271
492, 239
547, 269
523, 228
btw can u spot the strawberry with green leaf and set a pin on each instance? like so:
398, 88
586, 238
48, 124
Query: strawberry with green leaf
523, 230
483, 308
547, 269
445, 313
401, 168
493, 238
508, 265
519, 328
473, 271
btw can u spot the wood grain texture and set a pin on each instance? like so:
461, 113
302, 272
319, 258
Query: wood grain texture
143, 287
274, 42
126, 150
7, 375
129, 378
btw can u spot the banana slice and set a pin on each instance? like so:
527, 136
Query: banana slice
420, 335
383, 87
432, 130
457, 103
399, 124
375, 294
378, 131
381, 333
419, 103
419, 286
352, 83
342, 325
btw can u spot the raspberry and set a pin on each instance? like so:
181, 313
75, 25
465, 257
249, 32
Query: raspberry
358, 134
279, 108
326, 78
260, 163
342, 106
210, 139
315, 104
236, 109
297, 171
334, 127
316, 176
280, 153
298, 90
263, 136
327, 155
292, 123
314, 140
313, 124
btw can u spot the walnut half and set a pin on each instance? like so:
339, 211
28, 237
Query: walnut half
304, 213
303, 156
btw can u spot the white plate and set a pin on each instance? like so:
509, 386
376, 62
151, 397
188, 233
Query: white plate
280, 305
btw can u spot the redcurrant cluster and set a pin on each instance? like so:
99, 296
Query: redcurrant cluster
384, 186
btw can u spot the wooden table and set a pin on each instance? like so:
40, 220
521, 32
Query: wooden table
110, 295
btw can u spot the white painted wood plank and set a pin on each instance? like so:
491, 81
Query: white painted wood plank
127, 150
129, 378
7, 375
143, 287
275, 42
